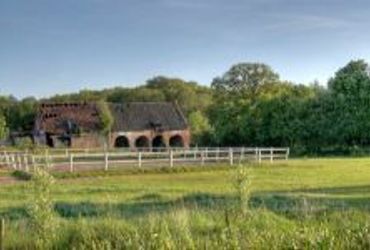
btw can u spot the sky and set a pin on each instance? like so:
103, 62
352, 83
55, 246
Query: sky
52, 47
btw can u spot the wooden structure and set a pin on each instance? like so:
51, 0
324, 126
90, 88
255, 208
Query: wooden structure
71, 160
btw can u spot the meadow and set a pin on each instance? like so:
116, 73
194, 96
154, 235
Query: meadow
298, 204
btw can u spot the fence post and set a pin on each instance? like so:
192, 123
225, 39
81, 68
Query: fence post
171, 158
241, 155
106, 161
202, 157
287, 154
25, 160
271, 155
48, 160
7, 160
231, 156
33, 162
2, 233
71, 163
139, 159
217, 154
19, 162
256, 154
259, 155
14, 163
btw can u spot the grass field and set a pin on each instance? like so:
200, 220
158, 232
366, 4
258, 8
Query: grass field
302, 203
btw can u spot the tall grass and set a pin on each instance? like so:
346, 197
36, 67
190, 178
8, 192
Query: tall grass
42, 222
203, 222
205, 229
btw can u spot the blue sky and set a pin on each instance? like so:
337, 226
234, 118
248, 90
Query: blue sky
54, 46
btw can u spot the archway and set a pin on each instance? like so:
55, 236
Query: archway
121, 142
49, 140
158, 142
142, 142
176, 141
65, 141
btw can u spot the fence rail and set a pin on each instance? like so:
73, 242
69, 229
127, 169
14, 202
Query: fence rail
93, 159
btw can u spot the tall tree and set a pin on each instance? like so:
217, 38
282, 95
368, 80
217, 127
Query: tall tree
245, 79
353, 80
200, 128
350, 90
3, 127
189, 95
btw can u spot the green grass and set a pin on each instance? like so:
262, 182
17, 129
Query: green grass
306, 202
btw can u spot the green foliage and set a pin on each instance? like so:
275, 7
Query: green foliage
106, 117
248, 105
3, 127
21, 175
242, 184
200, 128
353, 80
24, 143
22, 115
309, 119
194, 228
138, 94
40, 210
189, 95
299, 204
245, 80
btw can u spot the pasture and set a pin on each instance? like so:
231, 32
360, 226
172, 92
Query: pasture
296, 204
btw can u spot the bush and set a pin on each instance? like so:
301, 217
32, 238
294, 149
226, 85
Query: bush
41, 214
21, 175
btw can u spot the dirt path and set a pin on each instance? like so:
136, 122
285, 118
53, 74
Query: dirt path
7, 180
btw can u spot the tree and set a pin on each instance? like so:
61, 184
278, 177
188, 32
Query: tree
138, 94
353, 80
350, 91
3, 127
106, 117
21, 114
189, 95
200, 128
245, 79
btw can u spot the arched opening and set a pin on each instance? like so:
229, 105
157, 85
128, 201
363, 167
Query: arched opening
142, 142
49, 140
158, 142
176, 141
65, 141
121, 142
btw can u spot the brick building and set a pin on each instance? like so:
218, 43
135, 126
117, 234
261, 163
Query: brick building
136, 125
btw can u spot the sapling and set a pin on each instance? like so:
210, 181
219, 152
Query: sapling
40, 209
242, 188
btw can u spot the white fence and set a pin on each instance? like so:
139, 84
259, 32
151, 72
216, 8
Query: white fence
71, 161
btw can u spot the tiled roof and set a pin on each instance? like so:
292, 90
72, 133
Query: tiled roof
59, 118
139, 116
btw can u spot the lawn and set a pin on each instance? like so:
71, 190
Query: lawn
305, 202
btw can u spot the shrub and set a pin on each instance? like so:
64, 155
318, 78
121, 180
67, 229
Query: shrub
106, 117
40, 209
21, 175
242, 184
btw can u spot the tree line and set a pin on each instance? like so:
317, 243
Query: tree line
248, 105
